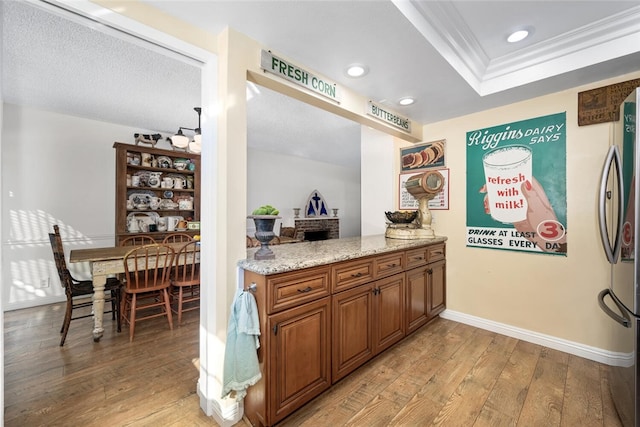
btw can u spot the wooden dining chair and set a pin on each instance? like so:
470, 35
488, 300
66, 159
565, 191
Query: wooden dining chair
138, 240
77, 291
178, 238
147, 277
185, 280
288, 232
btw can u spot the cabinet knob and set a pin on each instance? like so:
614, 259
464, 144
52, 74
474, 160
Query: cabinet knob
305, 290
358, 274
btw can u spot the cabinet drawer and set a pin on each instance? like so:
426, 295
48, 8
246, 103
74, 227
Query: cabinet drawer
292, 289
388, 265
417, 257
350, 274
435, 253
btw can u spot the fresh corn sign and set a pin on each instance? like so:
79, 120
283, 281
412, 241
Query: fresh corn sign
272, 64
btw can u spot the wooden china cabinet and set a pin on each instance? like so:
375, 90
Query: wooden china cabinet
156, 193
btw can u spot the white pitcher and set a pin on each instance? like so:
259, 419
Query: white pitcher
172, 223
133, 225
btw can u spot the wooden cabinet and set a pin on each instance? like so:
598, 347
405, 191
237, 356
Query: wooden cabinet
352, 342
425, 286
320, 324
294, 310
436, 286
366, 320
299, 349
159, 174
389, 312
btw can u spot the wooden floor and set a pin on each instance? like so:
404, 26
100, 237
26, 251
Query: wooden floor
446, 374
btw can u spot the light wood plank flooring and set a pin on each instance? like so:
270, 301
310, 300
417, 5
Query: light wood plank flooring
446, 374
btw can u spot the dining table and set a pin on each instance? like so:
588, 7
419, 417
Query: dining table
106, 262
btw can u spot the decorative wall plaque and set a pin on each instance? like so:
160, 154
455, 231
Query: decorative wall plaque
602, 105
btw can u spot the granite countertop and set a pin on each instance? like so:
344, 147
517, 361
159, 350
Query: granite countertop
296, 256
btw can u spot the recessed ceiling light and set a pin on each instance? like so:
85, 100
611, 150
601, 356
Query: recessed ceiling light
357, 70
407, 100
517, 36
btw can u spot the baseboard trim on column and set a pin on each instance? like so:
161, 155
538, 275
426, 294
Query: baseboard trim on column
226, 412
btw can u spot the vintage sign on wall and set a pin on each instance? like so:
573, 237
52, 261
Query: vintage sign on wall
516, 186
603, 104
423, 156
389, 117
278, 66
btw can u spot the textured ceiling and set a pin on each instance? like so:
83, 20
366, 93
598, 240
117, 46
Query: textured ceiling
450, 55
62, 66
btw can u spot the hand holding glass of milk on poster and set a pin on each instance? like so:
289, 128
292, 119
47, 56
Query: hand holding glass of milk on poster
514, 196
505, 170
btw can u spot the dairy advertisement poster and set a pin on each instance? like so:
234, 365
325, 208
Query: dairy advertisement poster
517, 185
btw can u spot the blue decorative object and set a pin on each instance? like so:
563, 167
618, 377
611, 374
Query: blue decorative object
316, 205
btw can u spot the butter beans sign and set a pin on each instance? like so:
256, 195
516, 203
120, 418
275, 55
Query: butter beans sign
516, 186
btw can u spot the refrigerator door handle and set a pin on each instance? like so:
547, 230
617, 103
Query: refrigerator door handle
624, 320
612, 160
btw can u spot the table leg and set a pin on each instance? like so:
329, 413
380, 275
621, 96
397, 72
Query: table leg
99, 281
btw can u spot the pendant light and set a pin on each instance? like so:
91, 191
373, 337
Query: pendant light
180, 140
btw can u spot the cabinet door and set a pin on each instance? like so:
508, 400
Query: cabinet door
437, 288
352, 341
300, 363
389, 317
417, 298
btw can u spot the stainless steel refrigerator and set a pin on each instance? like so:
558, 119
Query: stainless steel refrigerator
619, 228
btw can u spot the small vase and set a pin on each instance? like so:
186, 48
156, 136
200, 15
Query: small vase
264, 234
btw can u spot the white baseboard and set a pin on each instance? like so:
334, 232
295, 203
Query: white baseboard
18, 305
577, 349
225, 412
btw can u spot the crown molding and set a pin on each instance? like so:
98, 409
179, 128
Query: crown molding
445, 29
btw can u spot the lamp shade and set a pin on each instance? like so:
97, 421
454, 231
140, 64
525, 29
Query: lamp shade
197, 138
195, 147
180, 141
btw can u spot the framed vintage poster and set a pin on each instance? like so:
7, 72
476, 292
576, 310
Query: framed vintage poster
424, 156
517, 186
439, 202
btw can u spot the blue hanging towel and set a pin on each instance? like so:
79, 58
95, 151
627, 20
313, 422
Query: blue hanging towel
241, 368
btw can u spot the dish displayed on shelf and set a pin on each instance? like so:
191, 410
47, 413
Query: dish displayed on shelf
144, 177
140, 196
154, 179
168, 194
179, 181
168, 204
139, 221
180, 164
164, 162
177, 175
185, 203
181, 229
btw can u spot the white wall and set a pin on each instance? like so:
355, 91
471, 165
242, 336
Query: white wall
378, 178
57, 169
286, 182
60, 169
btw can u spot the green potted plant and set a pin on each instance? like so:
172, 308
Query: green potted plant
264, 219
